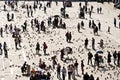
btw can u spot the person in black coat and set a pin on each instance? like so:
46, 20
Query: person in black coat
118, 60
37, 48
8, 16
91, 77
86, 76
115, 56
90, 57
86, 42
93, 43
109, 57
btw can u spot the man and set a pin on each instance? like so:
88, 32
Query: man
44, 48
1, 32
93, 43
58, 71
114, 22
90, 57
37, 48
16, 42
86, 42
76, 66
0, 49
99, 26
78, 27
5, 49
67, 36
118, 60
63, 73
8, 15
115, 56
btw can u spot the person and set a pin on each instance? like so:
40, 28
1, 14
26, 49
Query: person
119, 25
90, 57
4, 7
16, 42
86, 42
8, 16
62, 54
82, 24
99, 26
58, 71
24, 68
82, 67
6, 28
97, 78
67, 36
28, 12
0, 49
63, 73
100, 9
109, 57
118, 60
69, 72
93, 43
64, 25
115, 56
89, 23
80, 4
37, 48
78, 27
70, 36
91, 8
44, 9
108, 29
90, 13
73, 72
76, 66
31, 13
5, 49
45, 47
101, 43
86, 76
1, 32
91, 77
114, 22
96, 62
25, 25
12, 16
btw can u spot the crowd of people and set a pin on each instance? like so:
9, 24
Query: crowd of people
55, 21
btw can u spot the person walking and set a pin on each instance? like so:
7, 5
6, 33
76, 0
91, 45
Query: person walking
109, 57
118, 60
45, 47
90, 57
76, 66
58, 71
1, 32
93, 43
0, 49
78, 27
86, 43
64, 73
115, 56
115, 22
37, 48
16, 42
5, 49
99, 26
82, 67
